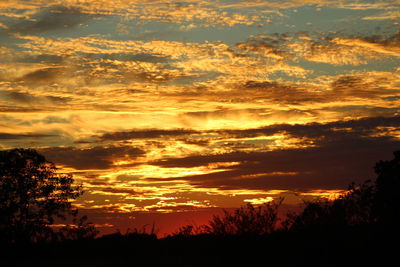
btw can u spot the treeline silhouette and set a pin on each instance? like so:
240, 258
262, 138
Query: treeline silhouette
359, 228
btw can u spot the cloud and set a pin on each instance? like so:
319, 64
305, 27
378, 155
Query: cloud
27, 98
139, 71
369, 85
392, 15
324, 132
307, 99
146, 134
11, 136
330, 48
90, 158
42, 76
332, 167
389, 46
278, 91
13, 109
325, 51
51, 19
185, 59
269, 46
343, 152
203, 14
118, 191
200, 13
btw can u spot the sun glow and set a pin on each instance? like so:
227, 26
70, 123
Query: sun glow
327, 194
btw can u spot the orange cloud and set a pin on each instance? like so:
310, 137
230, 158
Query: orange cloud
387, 48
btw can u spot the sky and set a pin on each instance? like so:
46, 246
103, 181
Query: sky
167, 111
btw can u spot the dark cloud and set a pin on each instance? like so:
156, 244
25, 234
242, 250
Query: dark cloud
359, 86
365, 110
41, 76
271, 45
51, 19
41, 58
27, 98
120, 191
140, 57
135, 71
15, 109
323, 131
332, 48
24, 136
331, 167
279, 92
54, 119
362, 85
57, 99
345, 152
145, 134
175, 208
390, 41
19, 97
328, 132
222, 113
44, 76
158, 76
90, 158
193, 141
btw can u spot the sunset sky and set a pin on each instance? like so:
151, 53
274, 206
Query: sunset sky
168, 111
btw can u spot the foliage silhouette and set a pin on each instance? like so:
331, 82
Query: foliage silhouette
247, 220
33, 196
374, 203
80, 229
189, 230
386, 209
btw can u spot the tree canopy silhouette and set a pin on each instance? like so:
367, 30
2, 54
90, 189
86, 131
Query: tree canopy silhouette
32, 196
246, 220
373, 203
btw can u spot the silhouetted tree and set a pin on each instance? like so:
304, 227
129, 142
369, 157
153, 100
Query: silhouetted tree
78, 230
370, 203
247, 220
32, 196
387, 186
191, 230
352, 208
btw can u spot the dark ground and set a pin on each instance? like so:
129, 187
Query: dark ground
340, 247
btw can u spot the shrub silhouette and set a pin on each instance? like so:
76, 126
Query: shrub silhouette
191, 230
32, 196
246, 220
374, 203
79, 229
351, 209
